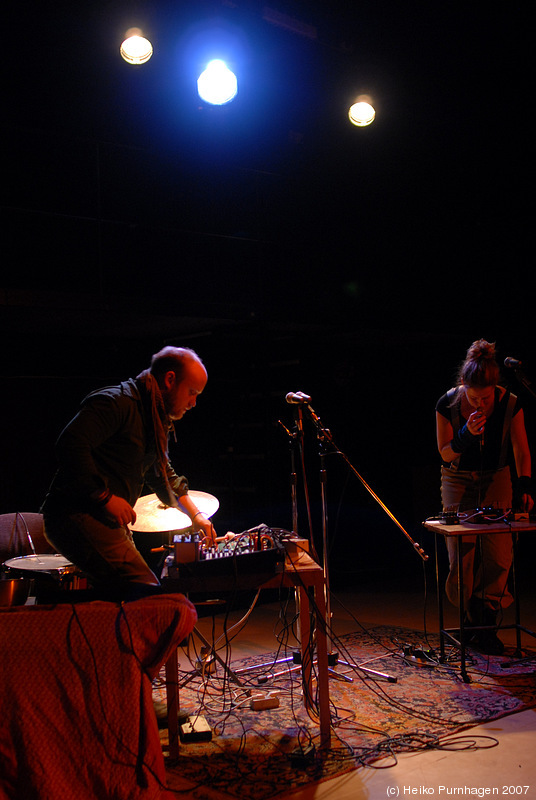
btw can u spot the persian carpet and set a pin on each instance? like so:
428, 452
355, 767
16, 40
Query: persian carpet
419, 705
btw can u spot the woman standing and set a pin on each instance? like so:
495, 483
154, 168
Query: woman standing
479, 424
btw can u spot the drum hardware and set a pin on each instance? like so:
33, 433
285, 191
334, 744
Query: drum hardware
14, 591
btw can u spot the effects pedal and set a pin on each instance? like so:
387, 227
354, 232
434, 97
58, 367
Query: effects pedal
419, 656
449, 518
196, 729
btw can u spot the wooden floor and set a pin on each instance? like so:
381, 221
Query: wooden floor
505, 771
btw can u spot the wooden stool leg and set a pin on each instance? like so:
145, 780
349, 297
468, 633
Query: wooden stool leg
172, 696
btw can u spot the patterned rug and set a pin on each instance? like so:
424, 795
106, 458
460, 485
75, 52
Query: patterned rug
419, 704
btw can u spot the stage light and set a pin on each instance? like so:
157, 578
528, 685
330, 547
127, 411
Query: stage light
136, 49
217, 85
361, 113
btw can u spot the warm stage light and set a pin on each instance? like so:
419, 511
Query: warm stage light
217, 85
136, 49
361, 114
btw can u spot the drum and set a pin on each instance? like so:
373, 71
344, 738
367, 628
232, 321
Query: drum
48, 567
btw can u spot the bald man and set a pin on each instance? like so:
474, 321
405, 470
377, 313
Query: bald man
115, 445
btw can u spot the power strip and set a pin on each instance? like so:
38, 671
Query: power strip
196, 729
263, 702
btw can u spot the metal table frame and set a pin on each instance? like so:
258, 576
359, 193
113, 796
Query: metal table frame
458, 532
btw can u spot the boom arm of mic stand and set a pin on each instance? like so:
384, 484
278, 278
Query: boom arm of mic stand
327, 435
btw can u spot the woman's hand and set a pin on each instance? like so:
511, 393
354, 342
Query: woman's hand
476, 423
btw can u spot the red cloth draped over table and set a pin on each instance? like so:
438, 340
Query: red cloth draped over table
77, 718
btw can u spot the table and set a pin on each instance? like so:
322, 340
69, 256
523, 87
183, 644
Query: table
458, 532
304, 574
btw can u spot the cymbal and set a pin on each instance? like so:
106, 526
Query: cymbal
152, 516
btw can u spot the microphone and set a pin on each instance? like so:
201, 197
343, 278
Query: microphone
512, 363
481, 431
297, 398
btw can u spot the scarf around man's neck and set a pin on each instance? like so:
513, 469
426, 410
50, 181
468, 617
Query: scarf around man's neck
162, 426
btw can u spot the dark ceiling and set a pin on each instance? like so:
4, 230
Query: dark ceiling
117, 184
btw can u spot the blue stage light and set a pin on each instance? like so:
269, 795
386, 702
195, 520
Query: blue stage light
217, 84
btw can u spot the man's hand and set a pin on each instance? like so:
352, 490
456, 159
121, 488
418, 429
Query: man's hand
120, 510
202, 523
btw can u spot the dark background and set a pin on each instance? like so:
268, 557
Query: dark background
290, 249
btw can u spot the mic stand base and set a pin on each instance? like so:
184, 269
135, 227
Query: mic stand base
333, 661
204, 663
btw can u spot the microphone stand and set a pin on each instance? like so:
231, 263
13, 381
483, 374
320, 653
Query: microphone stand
296, 436
325, 438
296, 443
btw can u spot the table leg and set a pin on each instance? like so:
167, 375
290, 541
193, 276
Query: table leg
461, 605
439, 582
323, 670
319, 604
